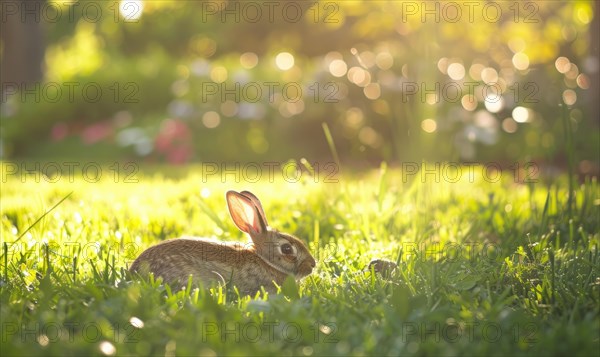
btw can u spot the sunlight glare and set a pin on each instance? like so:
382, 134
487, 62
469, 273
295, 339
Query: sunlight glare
131, 10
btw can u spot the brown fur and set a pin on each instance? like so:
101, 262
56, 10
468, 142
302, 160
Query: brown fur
248, 266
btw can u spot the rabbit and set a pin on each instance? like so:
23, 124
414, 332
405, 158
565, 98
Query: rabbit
269, 258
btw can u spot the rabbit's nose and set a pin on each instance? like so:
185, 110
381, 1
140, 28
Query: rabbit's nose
313, 263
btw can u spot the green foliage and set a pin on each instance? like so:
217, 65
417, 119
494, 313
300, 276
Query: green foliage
484, 268
351, 60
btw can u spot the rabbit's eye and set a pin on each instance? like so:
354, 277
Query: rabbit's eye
286, 249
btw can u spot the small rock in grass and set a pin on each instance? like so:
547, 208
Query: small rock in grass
382, 266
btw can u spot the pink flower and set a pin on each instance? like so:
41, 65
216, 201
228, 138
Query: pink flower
174, 140
59, 131
96, 132
179, 155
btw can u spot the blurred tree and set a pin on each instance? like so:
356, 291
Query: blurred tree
23, 44
352, 60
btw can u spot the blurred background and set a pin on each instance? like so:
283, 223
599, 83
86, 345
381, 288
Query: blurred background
193, 81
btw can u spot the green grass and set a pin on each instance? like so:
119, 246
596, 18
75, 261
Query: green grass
485, 268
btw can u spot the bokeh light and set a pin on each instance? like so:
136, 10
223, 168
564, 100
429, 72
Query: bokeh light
284, 61
469, 102
372, 91
218, 74
429, 125
338, 68
569, 97
520, 114
475, 71
442, 65
369, 136
489, 75
211, 119
384, 60
494, 103
456, 71
229, 108
562, 64
354, 117
367, 59
509, 125
516, 44
107, 348
572, 72
131, 10
359, 76
520, 61
583, 81
249, 60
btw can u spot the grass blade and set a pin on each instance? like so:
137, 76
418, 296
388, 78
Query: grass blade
44, 215
331, 144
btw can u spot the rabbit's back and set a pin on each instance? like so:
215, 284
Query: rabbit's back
207, 261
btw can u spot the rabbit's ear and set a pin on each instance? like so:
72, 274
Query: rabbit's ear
245, 214
257, 204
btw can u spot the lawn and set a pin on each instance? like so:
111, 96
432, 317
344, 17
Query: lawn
485, 266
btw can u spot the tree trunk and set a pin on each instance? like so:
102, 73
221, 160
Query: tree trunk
23, 43
594, 51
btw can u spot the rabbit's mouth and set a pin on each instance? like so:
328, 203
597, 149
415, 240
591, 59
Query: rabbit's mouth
305, 268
